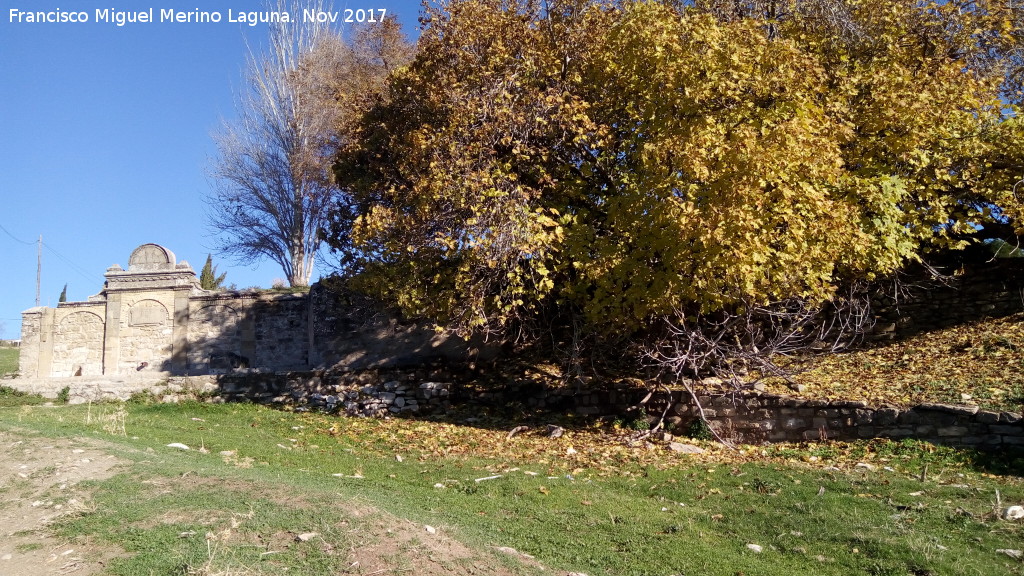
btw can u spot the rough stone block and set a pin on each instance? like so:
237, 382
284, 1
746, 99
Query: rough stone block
896, 432
910, 417
793, 423
950, 409
811, 435
986, 417
947, 431
864, 417
1009, 417
886, 416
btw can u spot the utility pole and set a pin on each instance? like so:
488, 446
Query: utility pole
39, 267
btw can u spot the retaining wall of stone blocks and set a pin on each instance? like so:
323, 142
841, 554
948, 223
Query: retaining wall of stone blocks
986, 290
750, 417
754, 417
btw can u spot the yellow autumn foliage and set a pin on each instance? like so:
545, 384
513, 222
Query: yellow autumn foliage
633, 159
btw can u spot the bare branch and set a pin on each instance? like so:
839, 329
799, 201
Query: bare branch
273, 184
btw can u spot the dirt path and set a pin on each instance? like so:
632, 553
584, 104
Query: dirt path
39, 482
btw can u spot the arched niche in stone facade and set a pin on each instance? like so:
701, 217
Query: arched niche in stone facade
151, 257
146, 340
78, 345
147, 313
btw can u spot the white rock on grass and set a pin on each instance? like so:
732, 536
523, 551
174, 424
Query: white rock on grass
755, 548
685, 448
1013, 513
178, 445
1017, 554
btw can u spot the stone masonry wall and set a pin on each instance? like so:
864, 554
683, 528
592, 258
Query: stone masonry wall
154, 318
993, 289
750, 417
373, 393
31, 335
237, 330
282, 332
78, 342
756, 417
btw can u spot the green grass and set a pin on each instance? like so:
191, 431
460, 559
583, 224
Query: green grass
11, 397
635, 516
8, 360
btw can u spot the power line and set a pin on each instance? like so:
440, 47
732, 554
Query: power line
92, 277
15, 238
85, 274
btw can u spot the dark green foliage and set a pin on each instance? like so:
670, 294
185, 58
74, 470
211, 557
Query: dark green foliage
11, 397
208, 278
1003, 249
699, 430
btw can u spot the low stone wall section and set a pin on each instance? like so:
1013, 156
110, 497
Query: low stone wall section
368, 393
986, 290
749, 417
755, 417
113, 388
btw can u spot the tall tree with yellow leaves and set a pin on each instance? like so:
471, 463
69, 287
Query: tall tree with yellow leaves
639, 161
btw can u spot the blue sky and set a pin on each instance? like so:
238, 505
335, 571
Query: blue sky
105, 140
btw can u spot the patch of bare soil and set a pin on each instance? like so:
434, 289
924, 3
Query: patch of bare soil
39, 483
367, 540
395, 546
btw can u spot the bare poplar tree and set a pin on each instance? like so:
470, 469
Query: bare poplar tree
273, 184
